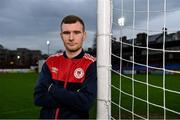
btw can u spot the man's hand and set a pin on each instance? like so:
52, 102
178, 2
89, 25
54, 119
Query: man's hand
54, 83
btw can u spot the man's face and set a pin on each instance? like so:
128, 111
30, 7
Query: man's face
73, 36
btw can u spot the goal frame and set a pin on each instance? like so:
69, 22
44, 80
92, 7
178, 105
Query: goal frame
104, 59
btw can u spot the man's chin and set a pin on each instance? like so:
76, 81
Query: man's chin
73, 50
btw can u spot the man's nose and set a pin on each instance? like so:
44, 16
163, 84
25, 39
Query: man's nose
71, 37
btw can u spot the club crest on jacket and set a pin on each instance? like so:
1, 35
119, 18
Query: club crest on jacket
78, 73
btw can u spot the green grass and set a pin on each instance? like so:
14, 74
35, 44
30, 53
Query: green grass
16, 91
16, 101
155, 96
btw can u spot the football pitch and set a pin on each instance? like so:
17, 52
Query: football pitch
16, 91
16, 101
136, 93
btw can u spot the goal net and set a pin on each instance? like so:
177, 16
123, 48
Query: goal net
145, 59
138, 59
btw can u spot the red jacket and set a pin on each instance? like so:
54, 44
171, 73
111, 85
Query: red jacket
66, 87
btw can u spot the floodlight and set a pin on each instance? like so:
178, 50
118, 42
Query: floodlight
121, 21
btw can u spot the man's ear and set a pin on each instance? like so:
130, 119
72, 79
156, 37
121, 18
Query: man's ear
85, 35
61, 35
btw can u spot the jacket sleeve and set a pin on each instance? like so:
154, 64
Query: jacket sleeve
80, 100
41, 95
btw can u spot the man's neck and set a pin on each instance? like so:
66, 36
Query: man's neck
73, 54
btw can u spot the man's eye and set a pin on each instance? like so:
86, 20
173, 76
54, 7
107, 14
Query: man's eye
66, 33
77, 32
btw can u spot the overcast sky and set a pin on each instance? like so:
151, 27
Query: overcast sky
156, 16
30, 23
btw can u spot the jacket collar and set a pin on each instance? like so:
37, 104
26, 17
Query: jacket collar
76, 57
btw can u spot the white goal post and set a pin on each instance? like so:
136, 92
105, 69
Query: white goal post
104, 59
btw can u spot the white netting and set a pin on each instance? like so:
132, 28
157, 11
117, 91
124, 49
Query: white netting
145, 59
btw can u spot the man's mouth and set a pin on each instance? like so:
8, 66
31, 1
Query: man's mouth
71, 44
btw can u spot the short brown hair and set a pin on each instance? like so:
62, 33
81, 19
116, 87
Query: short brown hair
72, 19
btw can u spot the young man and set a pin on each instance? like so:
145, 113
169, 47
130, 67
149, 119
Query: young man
67, 84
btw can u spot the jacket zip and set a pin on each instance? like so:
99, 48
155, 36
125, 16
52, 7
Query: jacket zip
66, 81
56, 114
65, 85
